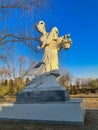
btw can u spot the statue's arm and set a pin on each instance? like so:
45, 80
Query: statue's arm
43, 44
59, 43
43, 41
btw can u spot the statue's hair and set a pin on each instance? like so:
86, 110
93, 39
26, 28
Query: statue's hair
41, 22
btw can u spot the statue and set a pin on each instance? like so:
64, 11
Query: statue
44, 85
45, 99
51, 43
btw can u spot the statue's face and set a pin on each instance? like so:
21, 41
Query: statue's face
41, 27
55, 33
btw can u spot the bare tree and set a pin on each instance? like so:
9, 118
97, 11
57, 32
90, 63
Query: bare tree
22, 61
28, 71
7, 9
4, 73
23, 72
78, 83
65, 79
24, 39
23, 4
4, 59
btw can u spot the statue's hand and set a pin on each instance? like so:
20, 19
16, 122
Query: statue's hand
39, 47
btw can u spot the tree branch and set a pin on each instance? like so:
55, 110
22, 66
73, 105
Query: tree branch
14, 6
8, 41
4, 58
18, 37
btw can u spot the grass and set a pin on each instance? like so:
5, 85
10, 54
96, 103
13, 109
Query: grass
90, 101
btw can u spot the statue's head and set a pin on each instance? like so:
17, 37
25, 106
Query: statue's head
66, 43
41, 27
55, 32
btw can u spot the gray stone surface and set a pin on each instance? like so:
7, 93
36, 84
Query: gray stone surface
42, 96
44, 82
70, 112
43, 88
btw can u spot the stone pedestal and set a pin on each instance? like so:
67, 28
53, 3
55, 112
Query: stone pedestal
44, 100
43, 88
42, 96
66, 112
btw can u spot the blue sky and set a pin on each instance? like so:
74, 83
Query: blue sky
77, 17
80, 19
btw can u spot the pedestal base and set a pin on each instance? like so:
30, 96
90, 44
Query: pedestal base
68, 112
42, 96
